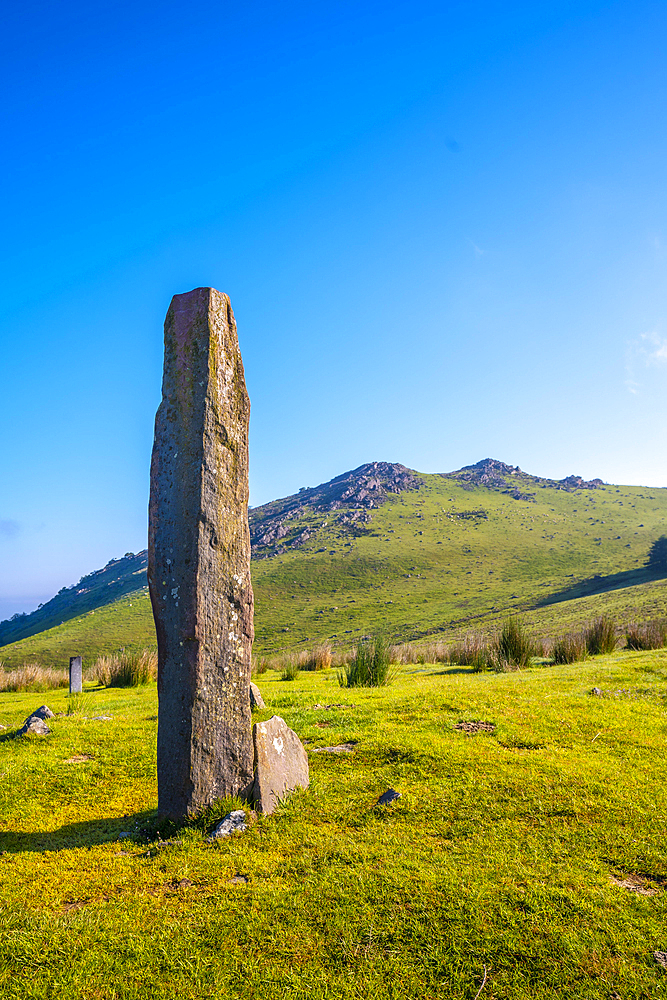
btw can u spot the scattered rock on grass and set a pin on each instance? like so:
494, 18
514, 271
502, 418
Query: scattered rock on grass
328, 708
101, 718
281, 763
597, 692
238, 880
35, 723
475, 727
256, 700
661, 958
388, 797
233, 822
341, 748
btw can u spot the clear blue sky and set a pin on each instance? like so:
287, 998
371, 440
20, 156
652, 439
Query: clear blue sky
442, 226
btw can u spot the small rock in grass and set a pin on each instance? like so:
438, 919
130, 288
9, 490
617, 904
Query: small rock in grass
256, 700
597, 692
101, 718
233, 822
43, 712
661, 958
238, 880
35, 723
388, 797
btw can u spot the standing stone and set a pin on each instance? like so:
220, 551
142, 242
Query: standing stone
199, 559
281, 763
75, 675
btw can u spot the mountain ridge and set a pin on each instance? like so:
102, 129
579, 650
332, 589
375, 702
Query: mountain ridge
338, 533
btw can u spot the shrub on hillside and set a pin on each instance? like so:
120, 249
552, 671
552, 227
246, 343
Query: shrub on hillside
125, 669
369, 666
569, 649
600, 636
32, 677
651, 635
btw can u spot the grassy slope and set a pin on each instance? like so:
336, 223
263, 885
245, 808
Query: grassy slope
500, 853
422, 570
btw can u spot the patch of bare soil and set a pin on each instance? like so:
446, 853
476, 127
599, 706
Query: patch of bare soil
635, 883
475, 727
78, 759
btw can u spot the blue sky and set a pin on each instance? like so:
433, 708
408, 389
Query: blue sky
442, 226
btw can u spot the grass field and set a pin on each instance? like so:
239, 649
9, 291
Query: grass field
509, 851
440, 561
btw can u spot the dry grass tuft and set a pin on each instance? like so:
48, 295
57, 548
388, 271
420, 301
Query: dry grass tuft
32, 677
125, 669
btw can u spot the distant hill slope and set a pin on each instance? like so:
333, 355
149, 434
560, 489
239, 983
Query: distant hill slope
103, 586
415, 554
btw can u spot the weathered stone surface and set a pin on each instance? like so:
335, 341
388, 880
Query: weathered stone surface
281, 763
199, 559
256, 700
75, 675
35, 723
233, 822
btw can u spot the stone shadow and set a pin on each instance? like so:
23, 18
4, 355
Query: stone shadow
139, 826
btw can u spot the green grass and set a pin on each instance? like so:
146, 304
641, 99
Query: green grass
423, 570
500, 852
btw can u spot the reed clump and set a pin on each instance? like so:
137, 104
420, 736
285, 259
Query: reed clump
369, 666
33, 677
125, 669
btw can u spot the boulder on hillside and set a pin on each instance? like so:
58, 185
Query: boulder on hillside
281, 763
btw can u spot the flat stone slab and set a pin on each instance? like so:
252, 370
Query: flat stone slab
281, 763
256, 700
233, 822
341, 748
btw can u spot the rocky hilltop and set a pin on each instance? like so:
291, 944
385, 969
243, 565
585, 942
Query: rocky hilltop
279, 525
512, 480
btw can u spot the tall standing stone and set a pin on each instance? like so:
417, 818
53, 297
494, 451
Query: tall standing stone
199, 559
75, 675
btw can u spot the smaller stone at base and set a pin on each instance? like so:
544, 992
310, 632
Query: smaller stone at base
389, 796
281, 763
256, 700
233, 822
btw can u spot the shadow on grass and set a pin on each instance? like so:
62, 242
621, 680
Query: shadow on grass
141, 828
453, 670
604, 584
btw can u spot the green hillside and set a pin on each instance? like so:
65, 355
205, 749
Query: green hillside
420, 555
